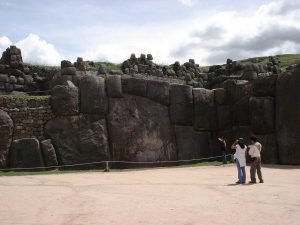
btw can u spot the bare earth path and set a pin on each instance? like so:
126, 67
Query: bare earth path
177, 196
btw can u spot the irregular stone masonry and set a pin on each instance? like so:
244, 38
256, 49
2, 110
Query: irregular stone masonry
29, 115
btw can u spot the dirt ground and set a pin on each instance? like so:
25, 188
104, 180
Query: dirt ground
173, 196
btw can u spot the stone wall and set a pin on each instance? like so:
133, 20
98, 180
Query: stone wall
136, 119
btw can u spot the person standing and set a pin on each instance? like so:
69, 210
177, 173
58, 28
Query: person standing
255, 153
240, 158
223, 147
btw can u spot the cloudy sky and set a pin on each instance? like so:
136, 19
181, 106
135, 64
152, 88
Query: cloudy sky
110, 30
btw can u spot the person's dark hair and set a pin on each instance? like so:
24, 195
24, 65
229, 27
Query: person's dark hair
241, 143
253, 138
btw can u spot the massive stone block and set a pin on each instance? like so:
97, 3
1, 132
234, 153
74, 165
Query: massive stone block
181, 104
220, 96
49, 153
137, 86
140, 130
240, 112
6, 131
93, 99
205, 109
65, 99
26, 153
158, 91
224, 117
79, 139
288, 117
265, 86
192, 144
269, 152
114, 86
242, 132
262, 114
237, 89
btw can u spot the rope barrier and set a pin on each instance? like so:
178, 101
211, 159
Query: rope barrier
107, 163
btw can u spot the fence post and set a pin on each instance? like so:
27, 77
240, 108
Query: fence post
106, 166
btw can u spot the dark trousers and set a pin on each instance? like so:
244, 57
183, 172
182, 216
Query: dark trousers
256, 166
224, 155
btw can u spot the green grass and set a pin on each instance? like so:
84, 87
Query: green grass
58, 172
108, 66
24, 97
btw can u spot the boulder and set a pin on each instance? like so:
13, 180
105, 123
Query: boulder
79, 139
265, 86
240, 112
181, 104
6, 131
137, 86
65, 64
192, 144
68, 71
288, 117
269, 154
204, 109
262, 115
64, 99
140, 130
158, 91
93, 99
26, 153
49, 153
237, 89
224, 117
220, 96
114, 86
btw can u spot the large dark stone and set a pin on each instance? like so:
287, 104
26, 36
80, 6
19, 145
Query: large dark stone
237, 89
269, 152
137, 86
224, 117
49, 153
181, 104
205, 110
220, 96
93, 98
68, 71
242, 132
140, 130
26, 153
288, 117
114, 86
262, 114
158, 91
265, 86
240, 112
65, 99
192, 144
6, 131
79, 139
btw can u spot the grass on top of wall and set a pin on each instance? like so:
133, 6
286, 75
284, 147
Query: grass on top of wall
24, 97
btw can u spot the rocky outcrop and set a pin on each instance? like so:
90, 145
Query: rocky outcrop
114, 86
79, 139
288, 117
140, 130
26, 153
6, 131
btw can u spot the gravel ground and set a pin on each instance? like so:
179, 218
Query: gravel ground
173, 196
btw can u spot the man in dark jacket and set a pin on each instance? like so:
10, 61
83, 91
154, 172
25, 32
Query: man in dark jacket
223, 147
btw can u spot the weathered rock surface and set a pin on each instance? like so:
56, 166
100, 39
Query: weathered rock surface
205, 109
158, 91
65, 99
140, 130
265, 86
26, 153
137, 86
240, 112
181, 104
79, 139
49, 153
262, 114
6, 131
192, 144
269, 152
288, 117
93, 99
114, 86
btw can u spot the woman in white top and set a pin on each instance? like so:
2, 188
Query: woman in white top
240, 158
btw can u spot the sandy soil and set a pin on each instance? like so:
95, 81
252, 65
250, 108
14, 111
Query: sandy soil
181, 196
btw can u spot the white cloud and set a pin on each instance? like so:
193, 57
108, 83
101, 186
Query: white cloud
37, 51
187, 2
4, 43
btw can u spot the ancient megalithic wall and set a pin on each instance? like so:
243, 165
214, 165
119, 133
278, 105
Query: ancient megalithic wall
131, 118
